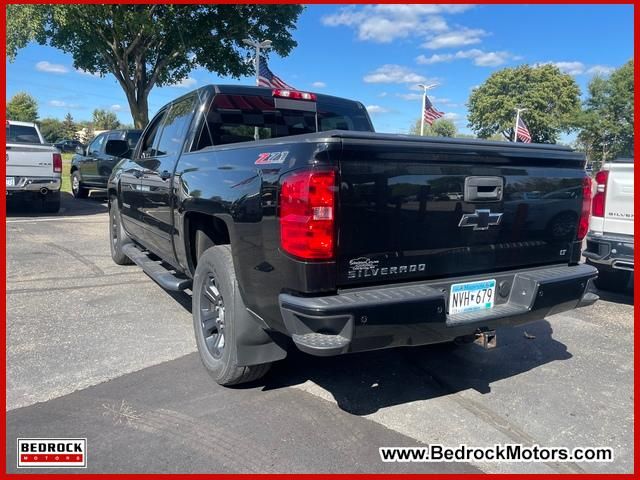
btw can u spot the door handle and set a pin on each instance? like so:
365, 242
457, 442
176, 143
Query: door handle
483, 189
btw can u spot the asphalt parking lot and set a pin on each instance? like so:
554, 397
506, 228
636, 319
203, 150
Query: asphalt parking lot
100, 351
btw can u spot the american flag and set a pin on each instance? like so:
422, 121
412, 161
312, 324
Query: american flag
266, 77
430, 112
522, 132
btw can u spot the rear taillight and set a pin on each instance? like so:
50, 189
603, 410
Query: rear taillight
307, 213
57, 163
597, 208
583, 225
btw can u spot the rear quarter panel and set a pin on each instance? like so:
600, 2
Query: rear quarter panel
239, 184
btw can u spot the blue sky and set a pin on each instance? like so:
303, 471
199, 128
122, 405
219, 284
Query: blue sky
377, 54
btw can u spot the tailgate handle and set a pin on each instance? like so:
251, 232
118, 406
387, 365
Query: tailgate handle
483, 189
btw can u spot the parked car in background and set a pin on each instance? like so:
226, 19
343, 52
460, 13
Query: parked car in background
34, 168
610, 237
66, 146
91, 166
293, 222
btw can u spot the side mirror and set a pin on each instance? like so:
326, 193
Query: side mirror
116, 148
80, 150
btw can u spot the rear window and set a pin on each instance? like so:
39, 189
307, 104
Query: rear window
244, 118
22, 134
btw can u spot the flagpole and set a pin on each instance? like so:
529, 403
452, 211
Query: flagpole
256, 61
515, 128
424, 104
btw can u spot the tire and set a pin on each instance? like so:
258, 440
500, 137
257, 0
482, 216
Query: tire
51, 202
217, 306
613, 280
117, 236
77, 189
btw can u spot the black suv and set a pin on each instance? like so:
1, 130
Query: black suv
91, 166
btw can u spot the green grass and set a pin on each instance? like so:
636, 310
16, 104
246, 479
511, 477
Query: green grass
66, 165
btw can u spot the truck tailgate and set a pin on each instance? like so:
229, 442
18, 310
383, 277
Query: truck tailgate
618, 215
413, 208
30, 160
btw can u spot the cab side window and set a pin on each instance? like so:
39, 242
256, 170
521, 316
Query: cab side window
96, 145
176, 125
150, 137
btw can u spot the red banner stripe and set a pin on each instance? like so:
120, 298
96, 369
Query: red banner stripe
51, 458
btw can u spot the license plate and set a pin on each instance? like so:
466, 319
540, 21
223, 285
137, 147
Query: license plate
11, 182
471, 296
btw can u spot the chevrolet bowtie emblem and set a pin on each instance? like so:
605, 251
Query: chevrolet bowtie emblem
480, 220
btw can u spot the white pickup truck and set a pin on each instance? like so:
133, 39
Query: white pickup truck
610, 237
34, 168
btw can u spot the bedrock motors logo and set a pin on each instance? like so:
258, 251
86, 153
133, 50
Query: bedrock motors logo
52, 452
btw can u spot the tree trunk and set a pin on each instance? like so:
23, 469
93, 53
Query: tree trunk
139, 106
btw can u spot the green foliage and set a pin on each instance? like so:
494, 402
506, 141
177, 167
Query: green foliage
69, 127
104, 120
442, 127
51, 129
552, 100
22, 107
607, 120
148, 45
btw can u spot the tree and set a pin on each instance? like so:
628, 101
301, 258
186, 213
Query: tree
22, 107
51, 129
104, 120
607, 120
442, 127
69, 127
148, 45
552, 100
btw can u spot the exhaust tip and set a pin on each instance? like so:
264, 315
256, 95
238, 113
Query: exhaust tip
44, 191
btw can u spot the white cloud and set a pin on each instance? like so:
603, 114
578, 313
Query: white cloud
579, 68
410, 96
185, 83
454, 117
51, 67
385, 23
62, 104
418, 96
435, 58
84, 72
480, 58
116, 108
318, 85
393, 74
383, 94
455, 38
373, 109
600, 70
571, 68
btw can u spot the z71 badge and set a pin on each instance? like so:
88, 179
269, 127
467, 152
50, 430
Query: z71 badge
272, 157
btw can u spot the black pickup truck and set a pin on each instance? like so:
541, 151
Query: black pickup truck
293, 223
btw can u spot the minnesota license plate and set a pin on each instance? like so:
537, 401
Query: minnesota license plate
11, 182
471, 296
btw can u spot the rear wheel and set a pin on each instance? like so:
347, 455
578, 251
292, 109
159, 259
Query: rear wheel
117, 235
217, 305
77, 189
613, 280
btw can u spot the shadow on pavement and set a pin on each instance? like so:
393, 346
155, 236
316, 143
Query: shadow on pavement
69, 206
363, 383
625, 298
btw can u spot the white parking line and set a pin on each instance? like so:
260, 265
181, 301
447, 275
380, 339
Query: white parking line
52, 219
